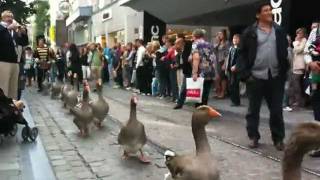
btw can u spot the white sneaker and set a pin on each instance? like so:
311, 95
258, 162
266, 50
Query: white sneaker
148, 94
289, 109
143, 94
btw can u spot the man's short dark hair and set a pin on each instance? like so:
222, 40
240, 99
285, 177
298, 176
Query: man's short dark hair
181, 35
140, 41
28, 49
261, 5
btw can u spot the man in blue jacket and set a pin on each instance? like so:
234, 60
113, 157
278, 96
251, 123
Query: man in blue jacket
263, 65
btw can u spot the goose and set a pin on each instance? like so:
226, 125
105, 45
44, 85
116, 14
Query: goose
83, 114
56, 89
100, 106
71, 98
46, 88
200, 166
132, 136
305, 138
65, 90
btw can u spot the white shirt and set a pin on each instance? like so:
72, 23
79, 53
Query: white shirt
311, 39
140, 54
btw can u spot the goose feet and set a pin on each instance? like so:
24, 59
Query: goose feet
98, 124
125, 156
143, 158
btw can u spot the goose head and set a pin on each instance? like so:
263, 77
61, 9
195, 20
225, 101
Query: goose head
134, 100
99, 85
305, 138
86, 91
203, 115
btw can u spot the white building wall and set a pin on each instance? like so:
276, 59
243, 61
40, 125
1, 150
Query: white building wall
122, 19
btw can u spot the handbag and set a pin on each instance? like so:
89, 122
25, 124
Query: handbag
194, 90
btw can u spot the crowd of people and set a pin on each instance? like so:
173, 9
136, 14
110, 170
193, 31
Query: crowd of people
273, 67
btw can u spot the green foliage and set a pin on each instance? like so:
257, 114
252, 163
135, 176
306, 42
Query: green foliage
19, 8
42, 18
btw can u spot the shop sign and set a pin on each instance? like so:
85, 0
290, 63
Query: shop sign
277, 10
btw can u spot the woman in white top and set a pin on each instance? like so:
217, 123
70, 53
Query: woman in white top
298, 66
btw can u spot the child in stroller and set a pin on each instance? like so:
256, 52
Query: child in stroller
10, 116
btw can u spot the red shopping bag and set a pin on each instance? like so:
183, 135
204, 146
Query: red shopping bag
194, 90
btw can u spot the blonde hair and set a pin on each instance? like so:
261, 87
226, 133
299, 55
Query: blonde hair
6, 13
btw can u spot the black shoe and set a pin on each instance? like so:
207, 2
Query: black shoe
39, 90
234, 105
279, 145
178, 106
174, 99
254, 143
315, 154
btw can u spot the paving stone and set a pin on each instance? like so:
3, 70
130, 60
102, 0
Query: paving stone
9, 166
85, 174
56, 157
58, 162
76, 163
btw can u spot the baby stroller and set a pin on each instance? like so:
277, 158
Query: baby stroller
10, 116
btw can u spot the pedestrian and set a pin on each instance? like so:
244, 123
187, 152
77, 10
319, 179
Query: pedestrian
53, 66
107, 70
203, 63
148, 69
42, 58
170, 61
29, 65
75, 66
126, 69
163, 69
61, 64
119, 51
312, 59
85, 66
263, 64
139, 66
131, 49
221, 50
231, 71
183, 48
288, 93
298, 67
95, 62
156, 76
9, 66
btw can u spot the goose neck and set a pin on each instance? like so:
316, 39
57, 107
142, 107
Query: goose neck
201, 139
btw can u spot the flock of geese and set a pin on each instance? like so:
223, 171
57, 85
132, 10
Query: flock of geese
201, 165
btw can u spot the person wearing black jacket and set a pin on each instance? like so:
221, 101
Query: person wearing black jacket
231, 71
9, 66
263, 65
184, 50
75, 65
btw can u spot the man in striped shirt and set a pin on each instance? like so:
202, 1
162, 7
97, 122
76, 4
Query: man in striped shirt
41, 56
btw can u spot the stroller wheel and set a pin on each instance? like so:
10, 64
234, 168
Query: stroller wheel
25, 133
33, 134
14, 130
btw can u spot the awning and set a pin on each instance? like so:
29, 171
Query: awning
198, 12
80, 14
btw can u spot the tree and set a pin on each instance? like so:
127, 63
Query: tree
42, 19
19, 8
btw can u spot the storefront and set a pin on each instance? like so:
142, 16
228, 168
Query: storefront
235, 14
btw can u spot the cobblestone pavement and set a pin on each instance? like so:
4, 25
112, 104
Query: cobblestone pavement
10, 160
98, 156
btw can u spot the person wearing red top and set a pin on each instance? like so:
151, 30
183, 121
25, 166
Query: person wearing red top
169, 59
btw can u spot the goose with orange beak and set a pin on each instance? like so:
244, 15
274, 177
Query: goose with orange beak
200, 166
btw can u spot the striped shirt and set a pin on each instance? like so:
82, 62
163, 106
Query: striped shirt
43, 54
